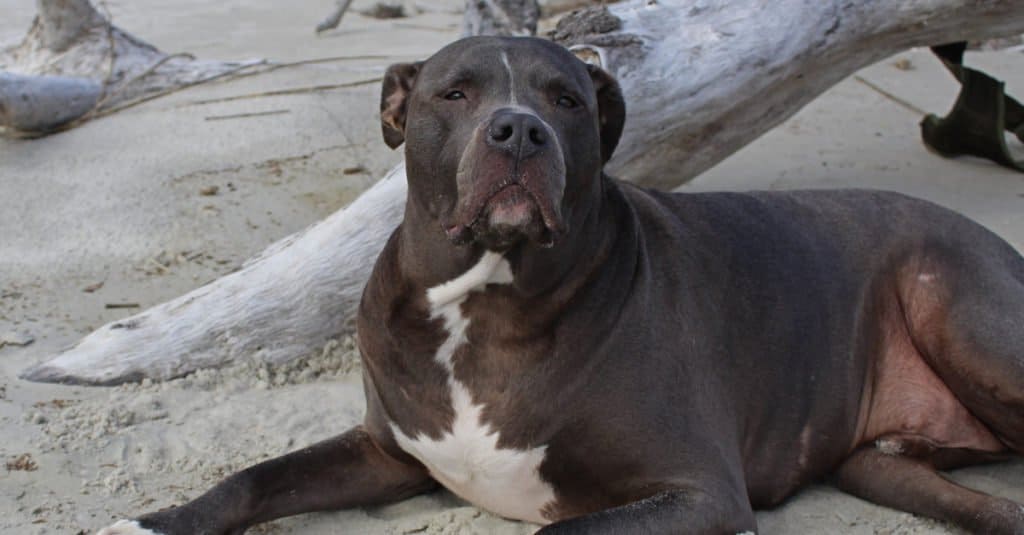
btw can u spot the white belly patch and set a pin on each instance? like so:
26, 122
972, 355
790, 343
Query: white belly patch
467, 459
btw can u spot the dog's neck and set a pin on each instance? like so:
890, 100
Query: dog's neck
427, 258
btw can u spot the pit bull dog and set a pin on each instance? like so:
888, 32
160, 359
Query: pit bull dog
558, 347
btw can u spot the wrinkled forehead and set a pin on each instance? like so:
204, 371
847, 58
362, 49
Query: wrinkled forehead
483, 60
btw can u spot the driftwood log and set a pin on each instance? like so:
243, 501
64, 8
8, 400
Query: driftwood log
74, 64
702, 78
43, 103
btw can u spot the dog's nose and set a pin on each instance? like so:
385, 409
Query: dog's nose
521, 133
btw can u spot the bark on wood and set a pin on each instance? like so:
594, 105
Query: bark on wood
70, 39
702, 78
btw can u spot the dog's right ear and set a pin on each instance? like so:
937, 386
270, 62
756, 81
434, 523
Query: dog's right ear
398, 82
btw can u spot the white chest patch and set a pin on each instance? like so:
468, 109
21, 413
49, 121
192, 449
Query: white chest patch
467, 459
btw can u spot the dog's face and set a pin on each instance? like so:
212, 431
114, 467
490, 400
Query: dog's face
503, 136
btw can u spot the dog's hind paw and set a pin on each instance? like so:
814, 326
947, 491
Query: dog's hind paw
126, 527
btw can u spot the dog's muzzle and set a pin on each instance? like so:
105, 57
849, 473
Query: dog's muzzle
511, 180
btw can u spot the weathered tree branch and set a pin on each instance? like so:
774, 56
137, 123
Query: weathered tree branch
70, 40
702, 78
41, 103
246, 313
705, 78
334, 19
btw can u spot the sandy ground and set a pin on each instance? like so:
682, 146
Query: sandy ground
112, 213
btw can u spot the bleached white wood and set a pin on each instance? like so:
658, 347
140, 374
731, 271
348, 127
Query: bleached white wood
714, 75
702, 78
41, 103
71, 40
288, 301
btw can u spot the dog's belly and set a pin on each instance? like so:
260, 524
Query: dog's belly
467, 459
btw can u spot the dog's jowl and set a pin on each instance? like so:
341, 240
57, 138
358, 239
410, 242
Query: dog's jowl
559, 347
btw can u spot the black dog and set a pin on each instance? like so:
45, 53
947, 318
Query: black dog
556, 346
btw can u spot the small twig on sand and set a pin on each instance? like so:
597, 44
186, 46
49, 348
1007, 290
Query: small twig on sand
232, 74
271, 67
159, 266
334, 19
121, 305
899, 101
136, 102
293, 91
243, 115
149, 70
328, 59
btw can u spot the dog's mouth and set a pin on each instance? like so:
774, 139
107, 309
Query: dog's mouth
509, 212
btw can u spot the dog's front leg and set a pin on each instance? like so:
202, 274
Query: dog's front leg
349, 470
671, 512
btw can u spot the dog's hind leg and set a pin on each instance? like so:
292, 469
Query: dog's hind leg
888, 477
948, 383
349, 470
966, 319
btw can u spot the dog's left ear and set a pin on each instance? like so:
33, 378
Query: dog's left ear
398, 82
611, 109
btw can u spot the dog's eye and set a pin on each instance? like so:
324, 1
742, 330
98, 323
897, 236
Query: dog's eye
454, 94
567, 102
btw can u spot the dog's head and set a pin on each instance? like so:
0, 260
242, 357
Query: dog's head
503, 136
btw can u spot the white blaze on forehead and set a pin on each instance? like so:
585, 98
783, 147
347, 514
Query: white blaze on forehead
511, 79
467, 459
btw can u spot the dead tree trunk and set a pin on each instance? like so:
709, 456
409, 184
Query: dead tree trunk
702, 78
73, 62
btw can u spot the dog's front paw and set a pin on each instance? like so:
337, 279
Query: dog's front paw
126, 527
